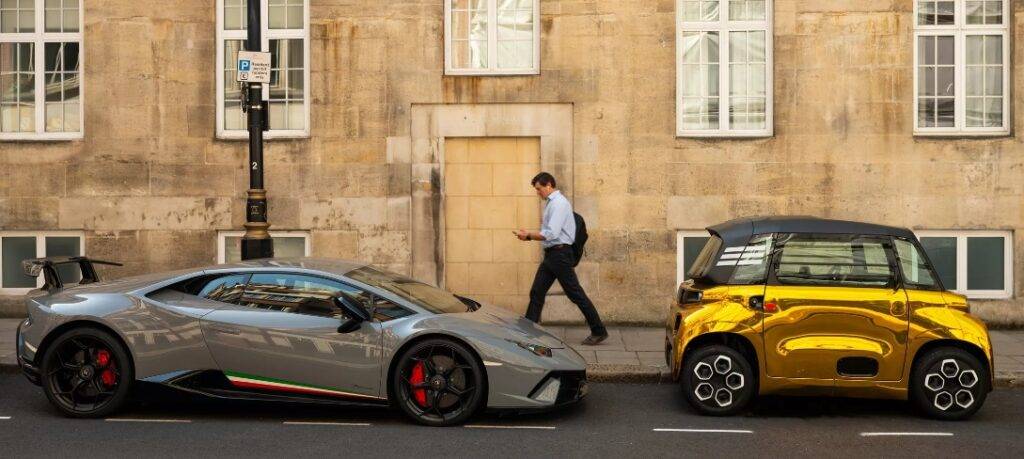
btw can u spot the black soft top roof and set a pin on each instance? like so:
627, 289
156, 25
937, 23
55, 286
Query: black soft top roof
740, 230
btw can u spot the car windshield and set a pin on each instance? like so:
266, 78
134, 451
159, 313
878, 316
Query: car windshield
425, 296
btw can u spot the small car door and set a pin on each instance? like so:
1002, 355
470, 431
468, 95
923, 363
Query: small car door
834, 310
283, 336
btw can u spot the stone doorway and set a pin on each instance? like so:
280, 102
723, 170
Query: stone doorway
487, 195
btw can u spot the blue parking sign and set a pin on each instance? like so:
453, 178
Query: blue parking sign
244, 66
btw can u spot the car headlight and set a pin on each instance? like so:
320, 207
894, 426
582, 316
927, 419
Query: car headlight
534, 348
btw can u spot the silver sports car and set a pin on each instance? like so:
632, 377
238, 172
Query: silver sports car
311, 330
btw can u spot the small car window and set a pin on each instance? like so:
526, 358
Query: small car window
705, 260
833, 260
917, 274
751, 263
226, 289
294, 293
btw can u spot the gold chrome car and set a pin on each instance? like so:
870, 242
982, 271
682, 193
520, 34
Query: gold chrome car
807, 306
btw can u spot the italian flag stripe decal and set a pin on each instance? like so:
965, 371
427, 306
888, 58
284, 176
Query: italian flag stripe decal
279, 385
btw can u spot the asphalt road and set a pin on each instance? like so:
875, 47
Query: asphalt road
617, 420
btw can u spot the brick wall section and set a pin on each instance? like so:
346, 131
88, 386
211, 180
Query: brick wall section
151, 185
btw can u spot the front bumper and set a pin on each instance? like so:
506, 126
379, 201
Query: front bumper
28, 368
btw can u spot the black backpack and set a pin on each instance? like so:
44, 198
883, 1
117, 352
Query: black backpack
581, 238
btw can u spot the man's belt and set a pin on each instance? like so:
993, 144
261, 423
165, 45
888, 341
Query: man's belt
557, 247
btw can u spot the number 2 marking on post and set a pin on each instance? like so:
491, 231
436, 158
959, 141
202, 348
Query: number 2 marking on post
255, 166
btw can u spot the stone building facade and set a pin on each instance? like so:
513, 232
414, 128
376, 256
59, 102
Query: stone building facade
152, 181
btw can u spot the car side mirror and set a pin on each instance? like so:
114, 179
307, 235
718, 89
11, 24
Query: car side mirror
355, 314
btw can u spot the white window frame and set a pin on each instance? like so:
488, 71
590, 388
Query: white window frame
40, 37
40, 252
266, 35
492, 44
223, 235
724, 26
960, 30
680, 255
961, 261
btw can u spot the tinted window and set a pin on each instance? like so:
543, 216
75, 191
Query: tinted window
751, 262
985, 263
426, 296
844, 261
916, 272
294, 293
227, 289
692, 247
704, 261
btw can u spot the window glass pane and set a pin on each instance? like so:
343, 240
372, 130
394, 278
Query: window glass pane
984, 12
830, 260
278, 12
17, 16
16, 249
985, 263
916, 272
515, 29
752, 263
227, 289
942, 252
236, 14
284, 247
747, 10
944, 12
691, 248
700, 10
234, 119
747, 80
62, 246
700, 79
17, 87
62, 83
287, 95
293, 293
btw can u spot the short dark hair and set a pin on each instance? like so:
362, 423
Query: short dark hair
544, 179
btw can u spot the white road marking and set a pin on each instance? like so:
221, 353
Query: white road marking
731, 431
179, 421
326, 423
5, 418
482, 426
906, 434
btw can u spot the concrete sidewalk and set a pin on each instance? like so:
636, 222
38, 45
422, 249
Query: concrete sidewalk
636, 354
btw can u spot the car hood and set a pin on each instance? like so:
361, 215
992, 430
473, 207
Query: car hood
519, 327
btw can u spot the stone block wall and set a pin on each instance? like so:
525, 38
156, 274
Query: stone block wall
151, 185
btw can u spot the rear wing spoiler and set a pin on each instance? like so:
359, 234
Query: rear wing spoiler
51, 278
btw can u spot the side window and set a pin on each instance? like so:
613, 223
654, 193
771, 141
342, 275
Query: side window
294, 293
833, 260
384, 310
917, 274
751, 262
226, 289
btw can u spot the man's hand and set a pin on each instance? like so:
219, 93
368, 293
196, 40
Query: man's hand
522, 234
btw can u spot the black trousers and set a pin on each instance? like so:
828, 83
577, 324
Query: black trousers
557, 264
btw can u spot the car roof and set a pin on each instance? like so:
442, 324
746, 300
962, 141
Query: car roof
329, 265
740, 230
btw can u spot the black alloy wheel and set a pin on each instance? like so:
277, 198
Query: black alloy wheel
86, 373
949, 383
717, 380
439, 383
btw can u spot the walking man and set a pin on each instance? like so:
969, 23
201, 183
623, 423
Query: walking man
557, 233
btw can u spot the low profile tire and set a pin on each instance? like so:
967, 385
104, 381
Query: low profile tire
438, 382
86, 373
717, 380
949, 383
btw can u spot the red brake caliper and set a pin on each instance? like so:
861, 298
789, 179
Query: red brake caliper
103, 361
418, 376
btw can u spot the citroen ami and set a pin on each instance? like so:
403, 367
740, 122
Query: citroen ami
807, 306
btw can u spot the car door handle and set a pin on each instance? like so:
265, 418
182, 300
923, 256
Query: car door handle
226, 330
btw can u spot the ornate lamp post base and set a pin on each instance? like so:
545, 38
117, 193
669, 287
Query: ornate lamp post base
256, 243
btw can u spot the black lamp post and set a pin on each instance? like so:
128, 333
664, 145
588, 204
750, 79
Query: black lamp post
256, 243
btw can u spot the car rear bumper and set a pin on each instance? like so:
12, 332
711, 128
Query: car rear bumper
27, 367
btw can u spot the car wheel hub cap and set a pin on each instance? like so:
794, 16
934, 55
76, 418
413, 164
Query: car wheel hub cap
718, 380
950, 385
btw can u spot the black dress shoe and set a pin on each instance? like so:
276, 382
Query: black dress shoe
594, 340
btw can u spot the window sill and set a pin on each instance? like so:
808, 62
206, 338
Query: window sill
961, 134
457, 73
724, 135
267, 135
27, 137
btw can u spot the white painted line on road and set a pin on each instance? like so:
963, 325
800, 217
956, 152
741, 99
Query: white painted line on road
906, 434
482, 426
5, 418
325, 423
178, 421
731, 431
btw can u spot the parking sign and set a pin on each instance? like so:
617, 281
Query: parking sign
253, 67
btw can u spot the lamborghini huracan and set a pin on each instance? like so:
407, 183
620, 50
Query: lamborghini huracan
297, 330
